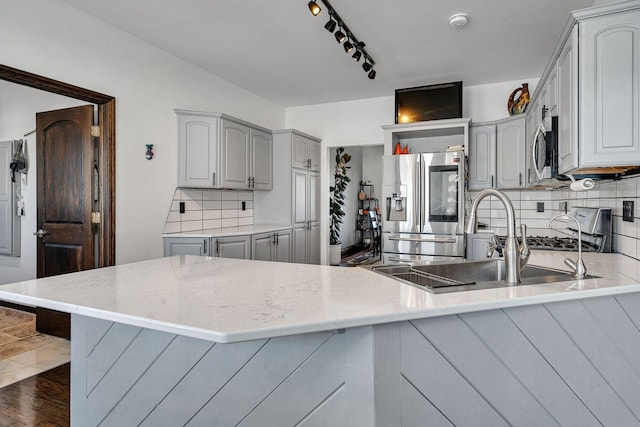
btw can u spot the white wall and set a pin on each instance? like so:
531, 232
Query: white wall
355, 123
18, 108
50, 38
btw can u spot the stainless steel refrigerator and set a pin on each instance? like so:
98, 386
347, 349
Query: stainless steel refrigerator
423, 207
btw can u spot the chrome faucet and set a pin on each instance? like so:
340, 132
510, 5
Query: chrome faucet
578, 267
515, 256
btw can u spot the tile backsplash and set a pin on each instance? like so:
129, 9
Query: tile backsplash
605, 194
209, 209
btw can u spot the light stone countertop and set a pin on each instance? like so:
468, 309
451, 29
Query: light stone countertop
228, 300
231, 231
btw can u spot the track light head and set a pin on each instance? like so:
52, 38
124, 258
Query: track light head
357, 55
330, 25
340, 36
314, 8
372, 74
348, 46
366, 66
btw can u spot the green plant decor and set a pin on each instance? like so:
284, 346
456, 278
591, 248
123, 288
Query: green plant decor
337, 197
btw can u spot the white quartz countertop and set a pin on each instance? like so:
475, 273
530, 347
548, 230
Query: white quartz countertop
228, 300
231, 231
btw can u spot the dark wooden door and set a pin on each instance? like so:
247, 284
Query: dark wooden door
65, 164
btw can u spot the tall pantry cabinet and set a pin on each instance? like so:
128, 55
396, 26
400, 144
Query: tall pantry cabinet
295, 198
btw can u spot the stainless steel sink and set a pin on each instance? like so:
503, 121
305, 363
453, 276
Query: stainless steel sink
467, 275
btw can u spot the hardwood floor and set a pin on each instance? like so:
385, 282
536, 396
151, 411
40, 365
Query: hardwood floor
31, 392
41, 400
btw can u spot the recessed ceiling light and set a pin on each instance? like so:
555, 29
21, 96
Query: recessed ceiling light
458, 20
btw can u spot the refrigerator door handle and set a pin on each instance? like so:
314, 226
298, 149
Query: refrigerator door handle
420, 193
423, 240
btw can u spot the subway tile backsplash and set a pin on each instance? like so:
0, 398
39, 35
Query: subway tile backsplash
209, 209
606, 194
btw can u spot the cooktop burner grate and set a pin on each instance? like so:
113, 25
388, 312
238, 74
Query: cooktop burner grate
552, 243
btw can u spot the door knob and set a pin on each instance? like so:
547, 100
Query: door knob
40, 233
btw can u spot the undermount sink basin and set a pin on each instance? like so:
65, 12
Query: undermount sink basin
467, 275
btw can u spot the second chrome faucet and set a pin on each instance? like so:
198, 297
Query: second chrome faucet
578, 267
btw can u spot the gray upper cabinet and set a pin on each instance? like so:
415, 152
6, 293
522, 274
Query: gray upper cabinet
261, 160
609, 82
305, 153
482, 156
567, 72
234, 155
197, 149
510, 140
246, 157
591, 85
219, 151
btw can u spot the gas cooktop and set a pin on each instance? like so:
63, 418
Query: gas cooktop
552, 243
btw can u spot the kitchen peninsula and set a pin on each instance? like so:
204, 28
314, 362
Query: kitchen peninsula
196, 340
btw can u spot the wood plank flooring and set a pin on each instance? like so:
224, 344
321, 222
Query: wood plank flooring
31, 393
41, 400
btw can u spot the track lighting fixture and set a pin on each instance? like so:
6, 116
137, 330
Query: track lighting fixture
330, 25
348, 47
314, 8
344, 35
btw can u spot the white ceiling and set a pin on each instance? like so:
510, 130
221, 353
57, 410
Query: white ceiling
281, 52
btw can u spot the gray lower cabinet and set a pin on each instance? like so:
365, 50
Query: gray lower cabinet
479, 245
199, 246
238, 247
272, 246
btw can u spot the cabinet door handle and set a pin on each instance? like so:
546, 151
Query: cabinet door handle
214, 179
205, 246
308, 163
217, 248
277, 239
253, 182
249, 182
273, 238
520, 179
492, 181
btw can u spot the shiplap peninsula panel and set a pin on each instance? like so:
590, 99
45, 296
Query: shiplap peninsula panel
569, 363
138, 376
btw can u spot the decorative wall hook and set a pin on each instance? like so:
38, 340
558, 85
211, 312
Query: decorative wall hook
149, 153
